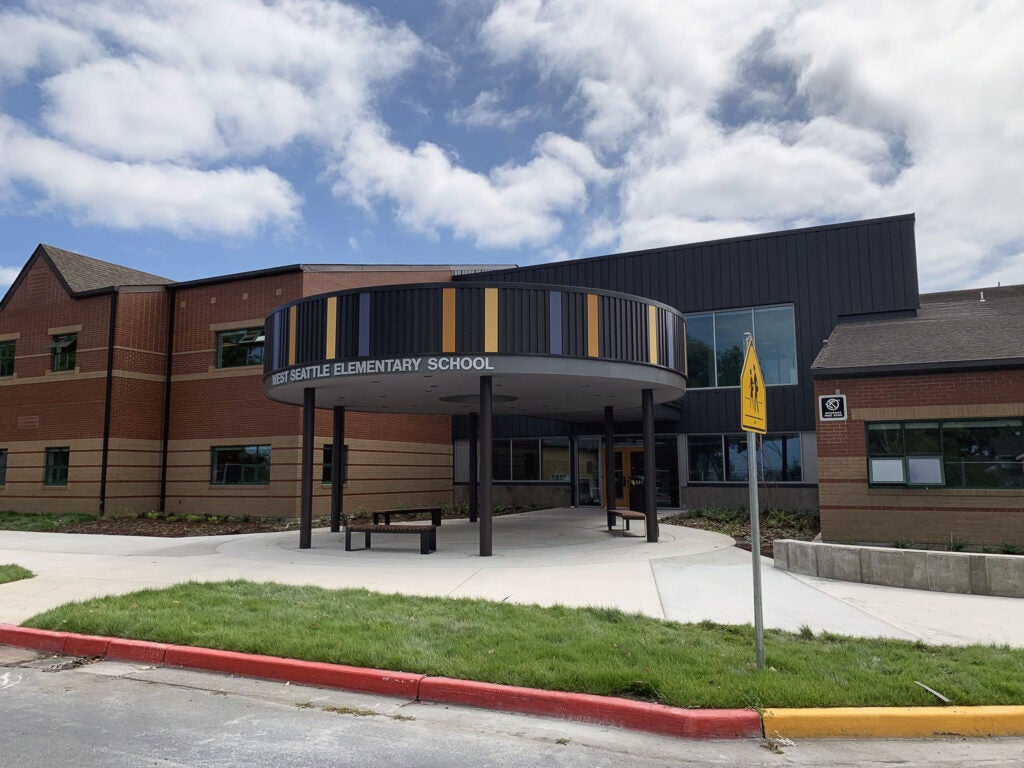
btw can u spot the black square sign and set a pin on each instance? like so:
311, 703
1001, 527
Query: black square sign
832, 407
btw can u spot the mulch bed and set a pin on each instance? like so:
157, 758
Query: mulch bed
142, 526
740, 531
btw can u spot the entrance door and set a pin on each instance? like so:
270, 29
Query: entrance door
629, 463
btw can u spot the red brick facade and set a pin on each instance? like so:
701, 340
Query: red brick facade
393, 459
851, 510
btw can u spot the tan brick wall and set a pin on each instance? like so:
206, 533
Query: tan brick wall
852, 511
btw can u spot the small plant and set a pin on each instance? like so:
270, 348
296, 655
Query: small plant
987, 550
195, 519
956, 545
806, 632
1007, 548
901, 544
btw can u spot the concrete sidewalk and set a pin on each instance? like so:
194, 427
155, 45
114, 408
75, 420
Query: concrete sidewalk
563, 556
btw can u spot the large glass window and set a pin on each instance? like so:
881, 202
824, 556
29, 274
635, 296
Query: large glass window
589, 457
55, 471
554, 458
6, 358
714, 345
240, 347
240, 465
3, 466
531, 459
65, 349
717, 458
976, 453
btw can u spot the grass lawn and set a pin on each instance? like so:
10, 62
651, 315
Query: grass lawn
17, 521
600, 651
10, 573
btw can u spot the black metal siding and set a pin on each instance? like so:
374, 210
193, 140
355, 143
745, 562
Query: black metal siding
825, 272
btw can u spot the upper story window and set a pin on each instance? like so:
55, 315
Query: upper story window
6, 358
714, 345
968, 453
65, 348
240, 347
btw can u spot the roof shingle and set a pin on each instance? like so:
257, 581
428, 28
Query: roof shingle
84, 274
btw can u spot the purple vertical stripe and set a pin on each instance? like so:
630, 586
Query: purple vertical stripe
364, 325
555, 322
670, 333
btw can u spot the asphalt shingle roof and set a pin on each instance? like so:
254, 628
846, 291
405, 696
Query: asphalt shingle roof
951, 329
84, 274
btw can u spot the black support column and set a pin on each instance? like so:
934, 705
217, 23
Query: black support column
650, 468
337, 464
474, 474
486, 465
306, 491
609, 462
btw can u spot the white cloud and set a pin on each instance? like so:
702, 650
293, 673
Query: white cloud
8, 275
229, 201
28, 42
510, 206
485, 112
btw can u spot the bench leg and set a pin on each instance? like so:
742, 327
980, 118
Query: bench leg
626, 519
424, 543
348, 539
366, 539
433, 541
611, 520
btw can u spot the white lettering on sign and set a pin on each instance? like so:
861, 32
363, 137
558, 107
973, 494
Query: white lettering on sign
374, 367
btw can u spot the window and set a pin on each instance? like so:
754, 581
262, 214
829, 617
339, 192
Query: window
64, 349
976, 453
714, 346
3, 466
328, 456
6, 358
240, 465
531, 459
57, 462
239, 348
778, 458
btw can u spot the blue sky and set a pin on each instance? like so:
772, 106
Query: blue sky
191, 138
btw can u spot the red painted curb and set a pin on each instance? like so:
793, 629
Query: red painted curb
86, 645
605, 710
39, 639
136, 650
401, 684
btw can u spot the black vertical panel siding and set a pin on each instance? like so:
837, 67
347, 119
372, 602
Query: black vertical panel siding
348, 325
309, 338
825, 272
523, 320
469, 320
574, 324
405, 321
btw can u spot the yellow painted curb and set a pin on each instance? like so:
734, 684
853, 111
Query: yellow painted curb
893, 722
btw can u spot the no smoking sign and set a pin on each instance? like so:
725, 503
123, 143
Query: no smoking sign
832, 407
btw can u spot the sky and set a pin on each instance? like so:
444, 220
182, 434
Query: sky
192, 138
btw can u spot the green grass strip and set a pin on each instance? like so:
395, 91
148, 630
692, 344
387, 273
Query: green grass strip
20, 521
9, 573
591, 650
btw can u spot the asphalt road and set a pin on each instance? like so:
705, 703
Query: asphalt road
107, 714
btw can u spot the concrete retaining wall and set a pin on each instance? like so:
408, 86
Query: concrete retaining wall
962, 572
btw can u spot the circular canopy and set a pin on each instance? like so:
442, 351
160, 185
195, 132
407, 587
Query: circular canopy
551, 351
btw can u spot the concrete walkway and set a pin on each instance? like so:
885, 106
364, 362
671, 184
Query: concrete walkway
563, 556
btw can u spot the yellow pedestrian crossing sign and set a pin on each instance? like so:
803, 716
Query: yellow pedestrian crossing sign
754, 406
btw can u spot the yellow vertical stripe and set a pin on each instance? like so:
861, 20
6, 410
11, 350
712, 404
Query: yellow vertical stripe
652, 334
331, 350
293, 313
592, 346
448, 320
490, 319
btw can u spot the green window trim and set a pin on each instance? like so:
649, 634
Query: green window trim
3, 467
57, 464
7, 349
240, 465
240, 347
951, 454
327, 456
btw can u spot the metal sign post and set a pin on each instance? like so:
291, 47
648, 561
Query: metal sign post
754, 419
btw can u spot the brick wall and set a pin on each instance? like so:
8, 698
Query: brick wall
852, 511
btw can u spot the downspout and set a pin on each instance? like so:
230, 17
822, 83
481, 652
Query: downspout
172, 304
108, 404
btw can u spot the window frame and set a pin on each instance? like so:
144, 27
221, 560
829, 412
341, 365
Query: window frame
326, 453
55, 474
7, 359
3, 467
260, 471
752, 310
906, 457
250, 338
507, 475
64, 357
724, 440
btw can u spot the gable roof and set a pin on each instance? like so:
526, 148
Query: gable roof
979, 328
83, 274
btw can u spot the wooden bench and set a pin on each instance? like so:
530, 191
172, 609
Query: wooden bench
435, 516
427, 534
625, 515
